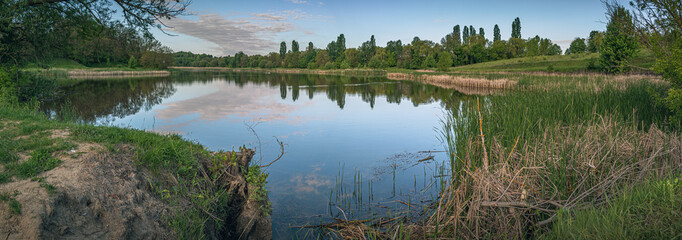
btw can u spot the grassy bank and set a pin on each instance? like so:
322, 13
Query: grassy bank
585, 62
183, 174
65, 68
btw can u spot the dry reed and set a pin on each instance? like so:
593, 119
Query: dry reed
566, 168
106, 74
454, 81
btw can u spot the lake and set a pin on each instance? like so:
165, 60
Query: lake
354, 147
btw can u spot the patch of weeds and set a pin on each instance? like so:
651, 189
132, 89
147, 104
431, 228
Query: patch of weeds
51, 189
14, 205
188, 224
33, 142
257, 179
5, 177
6, 154
40, 161
29, 128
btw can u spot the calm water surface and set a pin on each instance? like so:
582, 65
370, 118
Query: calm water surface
352, 144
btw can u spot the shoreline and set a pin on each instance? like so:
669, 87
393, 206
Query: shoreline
466, 85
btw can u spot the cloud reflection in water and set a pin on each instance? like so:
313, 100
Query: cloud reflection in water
251, 103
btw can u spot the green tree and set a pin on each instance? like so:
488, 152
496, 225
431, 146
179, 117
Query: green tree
367, 50
457, 35
341, 45
619, 44
594, 42
533, 47
282, 49
465, 34
481, 32
516, 28
39, 29
658, 27
294, 46
498, 50
577, 46
516, 47
444, 61
496, 34
310, 54
429, 62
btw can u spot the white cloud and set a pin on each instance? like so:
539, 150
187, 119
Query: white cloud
298, 1
253, 36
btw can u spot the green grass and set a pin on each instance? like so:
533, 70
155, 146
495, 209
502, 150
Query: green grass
59, 67
41, 160
652, 210
587, 62
527, 114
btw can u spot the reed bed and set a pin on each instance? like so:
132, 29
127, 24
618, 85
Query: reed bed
332, 72
518, 159
450, 80
567, 167
95, 74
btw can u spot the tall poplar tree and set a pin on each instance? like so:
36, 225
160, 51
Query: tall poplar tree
282, 49
294, 46
457, 35
465, 34
481, 32
496, 34
516, 28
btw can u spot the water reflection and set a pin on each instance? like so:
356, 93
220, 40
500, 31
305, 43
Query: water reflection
96, 99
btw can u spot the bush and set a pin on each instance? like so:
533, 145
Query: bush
132, 62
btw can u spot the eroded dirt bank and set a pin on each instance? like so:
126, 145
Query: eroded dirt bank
98, 192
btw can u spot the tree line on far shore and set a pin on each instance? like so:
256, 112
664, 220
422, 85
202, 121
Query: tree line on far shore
462, 46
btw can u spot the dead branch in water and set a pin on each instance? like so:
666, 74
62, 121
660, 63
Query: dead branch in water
281, 153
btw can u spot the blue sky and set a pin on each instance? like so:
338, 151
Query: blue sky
258, 26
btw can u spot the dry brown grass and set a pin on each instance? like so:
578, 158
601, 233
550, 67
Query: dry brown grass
450, 81
569, 167
107, 74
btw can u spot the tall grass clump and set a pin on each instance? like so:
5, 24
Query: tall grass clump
651, 210
518, 160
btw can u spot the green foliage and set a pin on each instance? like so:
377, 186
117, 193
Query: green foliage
496, 34
595, 41
41, 160
444, 61
429, 62
294, 46
516, 28
132, 62
257, 180
282, 49
6, 153
577, 46
20, 87
648, 211
619, 45
156, 59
